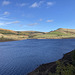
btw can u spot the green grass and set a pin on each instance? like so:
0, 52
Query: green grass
57, 34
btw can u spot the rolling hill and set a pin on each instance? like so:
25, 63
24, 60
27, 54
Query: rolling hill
66, 31
5, 31
60, 33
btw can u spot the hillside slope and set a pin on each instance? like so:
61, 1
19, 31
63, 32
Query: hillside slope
5, 31
60, 33
17, 35
63, 30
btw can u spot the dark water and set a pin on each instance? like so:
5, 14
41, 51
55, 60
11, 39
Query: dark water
21, 57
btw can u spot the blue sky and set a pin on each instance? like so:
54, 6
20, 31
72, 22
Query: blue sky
37, 15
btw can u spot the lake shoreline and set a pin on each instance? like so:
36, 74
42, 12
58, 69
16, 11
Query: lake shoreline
32, 38
7, 40
47, 68
51, 38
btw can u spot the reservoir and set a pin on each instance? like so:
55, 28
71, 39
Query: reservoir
22, 57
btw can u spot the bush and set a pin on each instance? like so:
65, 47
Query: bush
64, 70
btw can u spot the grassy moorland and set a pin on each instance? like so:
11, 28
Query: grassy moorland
61, 33
58, 34
7, 35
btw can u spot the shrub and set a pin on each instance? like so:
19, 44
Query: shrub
64, 70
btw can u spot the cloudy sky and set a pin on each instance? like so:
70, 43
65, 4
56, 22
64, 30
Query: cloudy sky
37, 15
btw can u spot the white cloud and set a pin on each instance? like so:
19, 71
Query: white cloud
21, 25
6, 13
16, 22
12, 22
50, 3
40, 19
1, 24
32, 24
49, 21
22, 4
6, 2
5, 18
36, 4
7, 23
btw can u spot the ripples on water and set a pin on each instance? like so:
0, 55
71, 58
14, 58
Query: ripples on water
21, 57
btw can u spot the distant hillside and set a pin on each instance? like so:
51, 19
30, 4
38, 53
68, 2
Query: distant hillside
17, 35
60, 30
60, 33
63, 30
28, 32
5, 31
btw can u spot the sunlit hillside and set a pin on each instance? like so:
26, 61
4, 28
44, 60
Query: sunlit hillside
60, 33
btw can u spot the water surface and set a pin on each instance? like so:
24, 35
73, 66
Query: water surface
22, 57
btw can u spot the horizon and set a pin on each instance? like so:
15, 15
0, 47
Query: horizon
40, 15
35, 31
